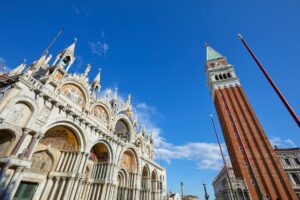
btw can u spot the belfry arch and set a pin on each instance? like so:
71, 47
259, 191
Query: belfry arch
128, 165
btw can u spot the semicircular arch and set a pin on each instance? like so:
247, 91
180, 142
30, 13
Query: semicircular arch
77, 130
73, 90
103, 151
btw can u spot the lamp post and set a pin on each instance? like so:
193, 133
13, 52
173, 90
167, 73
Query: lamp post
181, 186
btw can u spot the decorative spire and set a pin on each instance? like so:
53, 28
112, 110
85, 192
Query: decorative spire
96, 82
212, 54
18, 69
135, 121
87, 70
116, 94
98, 76
129, 100
48, 59
107, 96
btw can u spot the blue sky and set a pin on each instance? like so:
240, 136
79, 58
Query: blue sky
155, 51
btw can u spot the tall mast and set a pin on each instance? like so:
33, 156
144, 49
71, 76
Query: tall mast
223, 157
206, 195
282, 98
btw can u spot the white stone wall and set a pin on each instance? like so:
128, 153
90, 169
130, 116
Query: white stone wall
30, 108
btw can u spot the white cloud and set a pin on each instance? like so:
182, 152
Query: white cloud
81, 11
76, 10
205, 155
282, 143
99, 47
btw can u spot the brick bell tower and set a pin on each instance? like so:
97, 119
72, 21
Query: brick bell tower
250, 151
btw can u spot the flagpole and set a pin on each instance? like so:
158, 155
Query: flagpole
223, 157
284, 101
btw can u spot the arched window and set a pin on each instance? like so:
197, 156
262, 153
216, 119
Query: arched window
229, 75
122, 130
224, 76
220, 76
216, 77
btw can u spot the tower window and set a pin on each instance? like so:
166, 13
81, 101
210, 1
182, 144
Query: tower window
220, 77
224, 76
229, 75
216, 77
287, 161
297, 161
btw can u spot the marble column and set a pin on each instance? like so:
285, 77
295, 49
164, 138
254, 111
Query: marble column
47, 188
31, 145
61, 187
13, 184
3, 177
20, 142
54, 190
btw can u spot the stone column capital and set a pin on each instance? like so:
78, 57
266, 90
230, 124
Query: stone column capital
26, 131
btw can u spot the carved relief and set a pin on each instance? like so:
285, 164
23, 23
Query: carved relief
100, 113
44, 114
75, 94
129, 162
19, 114
41, 162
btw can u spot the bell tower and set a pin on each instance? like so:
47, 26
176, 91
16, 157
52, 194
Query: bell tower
251, 153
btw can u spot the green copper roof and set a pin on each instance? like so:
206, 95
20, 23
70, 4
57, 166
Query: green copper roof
212, 54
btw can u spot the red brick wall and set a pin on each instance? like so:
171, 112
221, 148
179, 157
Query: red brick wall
239, 115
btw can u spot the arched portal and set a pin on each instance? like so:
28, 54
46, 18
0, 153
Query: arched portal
99, 153
129, 162
122, 184
145, 183
6, 140
154, 184
61, 138
129, 165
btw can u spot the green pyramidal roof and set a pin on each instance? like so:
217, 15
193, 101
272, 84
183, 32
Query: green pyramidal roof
212, 54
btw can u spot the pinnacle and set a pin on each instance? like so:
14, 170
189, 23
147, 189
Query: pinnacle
212, 54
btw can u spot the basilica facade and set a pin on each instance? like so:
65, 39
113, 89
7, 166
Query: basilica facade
60, 138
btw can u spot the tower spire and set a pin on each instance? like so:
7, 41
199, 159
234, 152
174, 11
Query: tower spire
251, 153
212, 54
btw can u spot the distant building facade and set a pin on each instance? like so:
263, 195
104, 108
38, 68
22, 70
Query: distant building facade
290, 161
176, 196
251, 153
60, 140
